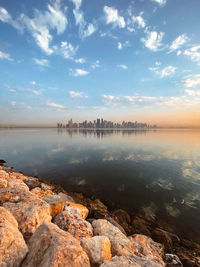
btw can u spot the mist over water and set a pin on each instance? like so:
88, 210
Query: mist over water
153, 174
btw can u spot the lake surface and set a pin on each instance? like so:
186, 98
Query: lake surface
154, 174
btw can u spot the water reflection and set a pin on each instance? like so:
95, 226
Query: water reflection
154, 174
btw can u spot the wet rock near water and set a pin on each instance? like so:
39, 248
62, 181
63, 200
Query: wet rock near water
43, 225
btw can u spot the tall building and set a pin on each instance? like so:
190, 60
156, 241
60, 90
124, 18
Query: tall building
70, 123
98, 123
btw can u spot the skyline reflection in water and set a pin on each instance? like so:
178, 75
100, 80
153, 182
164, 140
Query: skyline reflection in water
154, 174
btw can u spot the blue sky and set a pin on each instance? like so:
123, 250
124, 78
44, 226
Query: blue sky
132, 60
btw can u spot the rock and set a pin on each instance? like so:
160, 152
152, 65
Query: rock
98, 249
46, 187
4, 175
111, 220
40, 193
29, 214
147, 249
3, 183
2, 161
140, 226
65, 197
13, 248
120, 244
123, 218
143, 262
56, 204
15, 191
18, 175
166, 238
32, 182
120, 261
75, 209
172, 260
70, 220
50, 247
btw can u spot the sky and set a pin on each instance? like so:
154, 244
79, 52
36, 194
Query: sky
82, 59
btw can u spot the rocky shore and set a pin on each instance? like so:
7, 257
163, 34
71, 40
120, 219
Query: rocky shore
43, 225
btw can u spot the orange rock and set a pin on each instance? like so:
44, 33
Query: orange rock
98, 249
50, 247
3, 183
56, 204
120, 244
76, 209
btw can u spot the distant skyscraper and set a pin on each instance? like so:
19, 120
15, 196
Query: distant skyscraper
70, 123
98, 123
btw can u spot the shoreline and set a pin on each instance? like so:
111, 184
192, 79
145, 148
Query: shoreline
187, 251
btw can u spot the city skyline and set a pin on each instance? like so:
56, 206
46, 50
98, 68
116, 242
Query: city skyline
114, 59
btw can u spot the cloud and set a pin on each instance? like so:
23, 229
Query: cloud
85, 30
13, 103
139, 21
167, 71
192, 92
7, 18
41, 62
54, 105
124, 67
78, 72
5, 56
75, 94
193, 53
20, 105
110, 100
112, 16
43, 22
192, 80
33, 82
96, 64
178, 42
119, 45
80, 60
160, 2
66, 49
34, 92
153, 41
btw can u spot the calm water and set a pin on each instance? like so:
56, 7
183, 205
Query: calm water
155, 174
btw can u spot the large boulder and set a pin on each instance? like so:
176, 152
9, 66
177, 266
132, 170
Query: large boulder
71, 219
3, 183
4, 174
123, 218
121, 261
140, 226
13, 248
172, 260
147, 249
120, 244
98, 249
29, 214
50, 247
166, 238
56, 204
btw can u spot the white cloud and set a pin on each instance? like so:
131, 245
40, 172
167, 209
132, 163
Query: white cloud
85, 30
5, 56
192, 92
96, 64
33, 82
66, 49
167, 71
43, 22
153, 40
193, 53
13, 103
119, 45
124, 67
192, 80
75, 94
34, 92
41, 62
54, 105
7, 18
80, 60
110, 99
160, 2
139, 21
112, 16
78, 72
178, 42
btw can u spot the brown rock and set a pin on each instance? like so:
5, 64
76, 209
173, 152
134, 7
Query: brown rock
52, 247
98, 249
123, 218
17, 175
47, 187
141, 226
13, 248
172, 260
166, 238
120, 244
70, 220
121, 261
29, 214
75, 209
40, 193
111, 220
32, 182
147, 249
